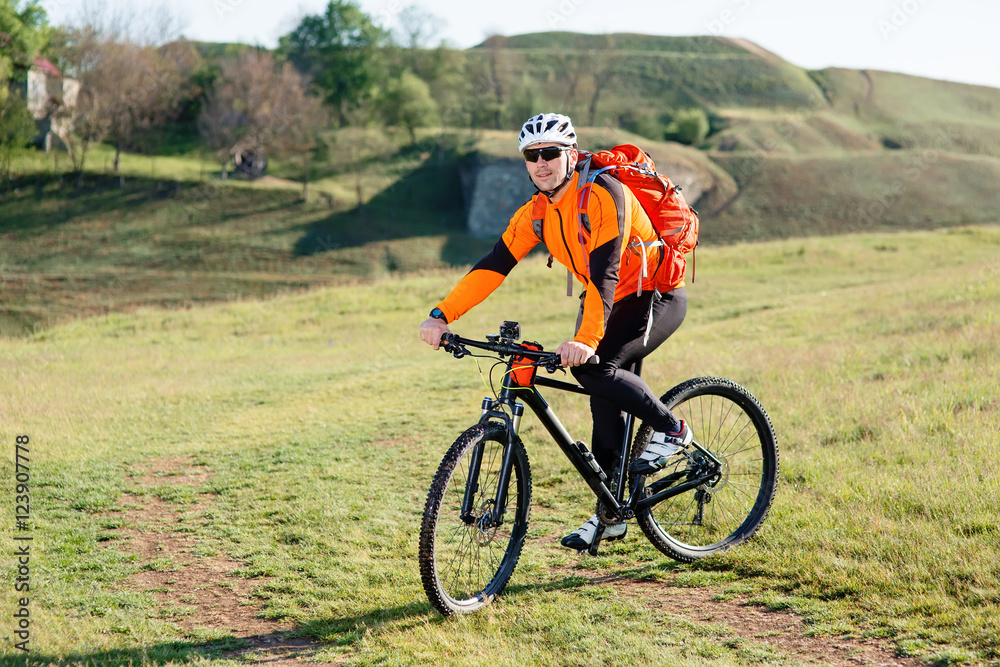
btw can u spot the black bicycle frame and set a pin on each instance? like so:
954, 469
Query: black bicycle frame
613, 497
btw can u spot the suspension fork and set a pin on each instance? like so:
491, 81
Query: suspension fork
472, 484
512, 423
500, 504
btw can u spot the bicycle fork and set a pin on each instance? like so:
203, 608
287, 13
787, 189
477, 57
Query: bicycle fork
577, 453
495, 516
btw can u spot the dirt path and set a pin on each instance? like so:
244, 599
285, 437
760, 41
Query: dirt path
782, 631
195, 587
198, 589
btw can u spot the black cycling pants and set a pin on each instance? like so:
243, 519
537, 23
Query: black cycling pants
614, 389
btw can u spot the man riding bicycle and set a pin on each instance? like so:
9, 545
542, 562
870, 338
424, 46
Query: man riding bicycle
628, 307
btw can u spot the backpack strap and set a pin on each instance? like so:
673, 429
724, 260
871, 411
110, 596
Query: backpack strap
585, 179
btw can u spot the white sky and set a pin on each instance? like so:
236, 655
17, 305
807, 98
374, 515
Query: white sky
955, 39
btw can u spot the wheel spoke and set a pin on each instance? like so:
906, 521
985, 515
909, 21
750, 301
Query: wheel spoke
728, 422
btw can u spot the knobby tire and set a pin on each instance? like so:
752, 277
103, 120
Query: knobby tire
464, 564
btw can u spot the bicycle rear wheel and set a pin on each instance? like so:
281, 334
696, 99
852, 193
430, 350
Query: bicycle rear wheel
467, 561
726, 511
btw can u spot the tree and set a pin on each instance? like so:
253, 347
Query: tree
138, 87
17, 128
83, 115
408, 103
602, 72
572, 68
340, 52
418, 28
220, 127
89, 122
195, 72
258, 107
125, 86
447, 74
300, 139
524, 100
493, 82
24, 32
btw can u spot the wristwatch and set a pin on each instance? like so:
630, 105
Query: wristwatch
438, 315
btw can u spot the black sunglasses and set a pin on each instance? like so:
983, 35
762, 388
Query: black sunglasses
548, 153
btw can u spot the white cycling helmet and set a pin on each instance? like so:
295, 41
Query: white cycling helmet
547, 128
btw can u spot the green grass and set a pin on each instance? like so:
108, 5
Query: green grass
102, 248
100, 161
316, 420
802, 195
869, 110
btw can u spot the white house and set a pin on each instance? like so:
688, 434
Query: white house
50, 95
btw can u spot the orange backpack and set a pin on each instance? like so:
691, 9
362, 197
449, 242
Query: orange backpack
675, 222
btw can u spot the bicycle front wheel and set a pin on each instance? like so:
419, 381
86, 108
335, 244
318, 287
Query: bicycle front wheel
728, 509
467, 557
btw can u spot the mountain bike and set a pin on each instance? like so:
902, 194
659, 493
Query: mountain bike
706, 499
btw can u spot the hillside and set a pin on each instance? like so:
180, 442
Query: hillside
182, 238
866, 110
791, 153
810, 152
650, 74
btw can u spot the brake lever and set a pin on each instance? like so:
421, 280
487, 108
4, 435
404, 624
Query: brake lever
552, 365
457, 349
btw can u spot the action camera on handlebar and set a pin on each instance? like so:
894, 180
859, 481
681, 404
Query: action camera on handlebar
510, 331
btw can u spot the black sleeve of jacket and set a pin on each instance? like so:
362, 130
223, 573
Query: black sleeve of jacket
499, 260
604, 262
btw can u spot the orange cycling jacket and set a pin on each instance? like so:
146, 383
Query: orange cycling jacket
606, 258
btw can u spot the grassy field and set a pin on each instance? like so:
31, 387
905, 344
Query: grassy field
257, 468
185, 237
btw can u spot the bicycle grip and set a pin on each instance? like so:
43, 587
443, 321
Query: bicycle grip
594, 360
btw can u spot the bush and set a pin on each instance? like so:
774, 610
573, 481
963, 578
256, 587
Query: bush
689, 126
646, 124
17, 129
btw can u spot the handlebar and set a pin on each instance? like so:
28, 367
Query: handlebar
550, 361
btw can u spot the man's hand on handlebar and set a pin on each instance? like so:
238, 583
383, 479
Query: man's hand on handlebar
574, 353
431, 331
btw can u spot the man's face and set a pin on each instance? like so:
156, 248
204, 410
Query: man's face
547, 174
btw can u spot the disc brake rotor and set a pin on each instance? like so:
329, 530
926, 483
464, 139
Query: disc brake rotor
486, 529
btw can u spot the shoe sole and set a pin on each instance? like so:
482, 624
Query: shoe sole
580, 550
